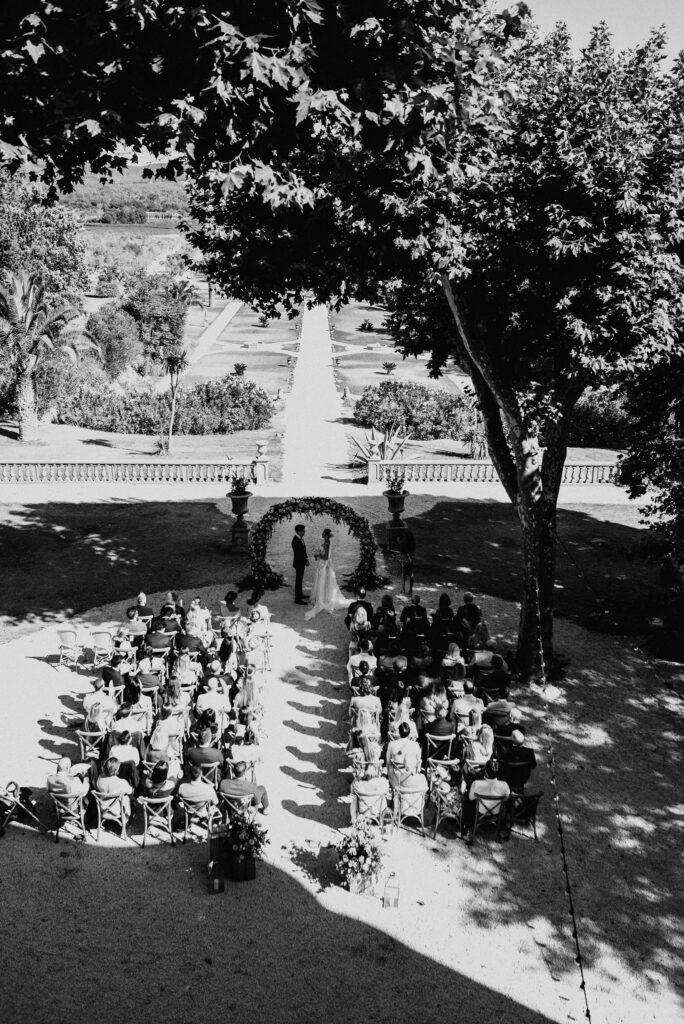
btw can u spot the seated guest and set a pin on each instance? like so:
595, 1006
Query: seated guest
99, 696
489, 786
498, 712
141, 702
114, 674
479, 751
159, 640
197, 790
176, 696
124, 721
360, 602
363, 655
231, 610
173, 598
514, 722
213, 698
97, 719
468, 616
240, 787
422, 662
479, 638
462, 706
436, 697
123, 749
414, 619
111, 784
250, 686
366, 702
440, 725
399, 711
482, 660
453, 670
145, 614
191, 644
443, 616
66, 781
360, 625
150, 664
137, 629
198, 620
371, 784
403, 756
497, 677
471, 730
187, 670
203, 753
518, 753
167, 733
158, 783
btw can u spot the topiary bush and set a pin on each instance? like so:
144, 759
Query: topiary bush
599, 421
425, 413
115, 332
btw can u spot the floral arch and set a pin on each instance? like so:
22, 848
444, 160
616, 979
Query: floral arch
264, 577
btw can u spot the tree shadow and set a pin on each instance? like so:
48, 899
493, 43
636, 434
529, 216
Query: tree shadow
287, 938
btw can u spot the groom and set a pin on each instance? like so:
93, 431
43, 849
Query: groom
299, 562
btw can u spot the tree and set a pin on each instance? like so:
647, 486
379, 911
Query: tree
159, 315
538, 246
175, 365
116, 334
41, 239
29, 330
389, 367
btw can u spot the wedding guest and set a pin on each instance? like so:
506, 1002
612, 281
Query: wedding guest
240, 787
99, 696
363, 655
111, 784
145, 614
65, 781
490, 786
158, 783
197, 790
359, 602
203, 753
468, 616
372, 784
403, 756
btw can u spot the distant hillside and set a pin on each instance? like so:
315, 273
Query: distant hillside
128, 199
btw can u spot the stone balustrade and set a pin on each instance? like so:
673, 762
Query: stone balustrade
176, 471
473, 471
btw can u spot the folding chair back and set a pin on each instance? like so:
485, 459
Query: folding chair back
110, 807
69, 810
410, 804
440, 748
158, 813
374, 808
447, 805
202, 811
522, 810
89, 742
489, 808
116, 693
70, 649
234, 805
210, 774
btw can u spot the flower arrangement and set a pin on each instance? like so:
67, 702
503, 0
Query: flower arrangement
359, 853
246, 837
239, 483
395, 484
264, 577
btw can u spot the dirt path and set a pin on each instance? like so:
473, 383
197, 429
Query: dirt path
315, 445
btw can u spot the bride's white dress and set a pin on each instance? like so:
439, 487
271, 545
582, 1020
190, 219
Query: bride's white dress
326, 596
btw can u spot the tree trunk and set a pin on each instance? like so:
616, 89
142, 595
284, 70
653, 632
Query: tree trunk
26, 406
535, 637
172, 417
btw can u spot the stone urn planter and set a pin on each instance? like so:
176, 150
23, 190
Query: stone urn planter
240, 533
242, 869
240, 504
262, 446
395, 503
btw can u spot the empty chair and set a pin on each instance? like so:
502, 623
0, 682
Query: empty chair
70, 648
522, 810
158, 813
69, 810
102, 647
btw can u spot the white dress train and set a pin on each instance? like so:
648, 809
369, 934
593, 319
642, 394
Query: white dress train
326, 596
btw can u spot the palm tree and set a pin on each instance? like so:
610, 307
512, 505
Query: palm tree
29, 329
175, 364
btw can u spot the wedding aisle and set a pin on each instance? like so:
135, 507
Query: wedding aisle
315, 458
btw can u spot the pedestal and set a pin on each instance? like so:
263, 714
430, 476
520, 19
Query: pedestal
240, 535
242, 869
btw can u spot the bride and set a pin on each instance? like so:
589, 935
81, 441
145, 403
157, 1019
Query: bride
325, 595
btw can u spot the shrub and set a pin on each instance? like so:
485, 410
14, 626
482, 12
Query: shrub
599, 421
425, 413
239, 369
389, 367
116, 334
366, 326
84, 397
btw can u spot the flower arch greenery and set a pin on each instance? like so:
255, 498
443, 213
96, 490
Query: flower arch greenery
264, 577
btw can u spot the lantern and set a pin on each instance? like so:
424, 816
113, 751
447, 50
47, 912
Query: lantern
390, 896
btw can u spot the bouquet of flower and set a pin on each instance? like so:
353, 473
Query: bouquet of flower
395, 483
359, 852
246, 837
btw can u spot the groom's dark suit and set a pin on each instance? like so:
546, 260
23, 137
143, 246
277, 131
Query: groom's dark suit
299, 563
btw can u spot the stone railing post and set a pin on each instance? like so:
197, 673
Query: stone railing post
373, 470
261, 470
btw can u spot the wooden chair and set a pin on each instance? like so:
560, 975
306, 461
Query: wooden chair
374, 808
203, 812
446, 806
116, 693
516, 774
110, 807
102, 647
234, 805
409, 804
489, 809
211, 774
158, 813
89, 744
69, 810
70, 648
522, 810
